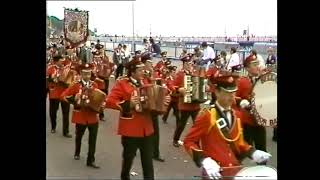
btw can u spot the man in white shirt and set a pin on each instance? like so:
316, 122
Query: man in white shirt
234, 59
208, 55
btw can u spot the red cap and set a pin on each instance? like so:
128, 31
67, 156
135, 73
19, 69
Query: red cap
226, 82
134, 63
86, 67
146, 56
250, 59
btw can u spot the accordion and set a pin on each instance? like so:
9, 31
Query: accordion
92, 99
152, 98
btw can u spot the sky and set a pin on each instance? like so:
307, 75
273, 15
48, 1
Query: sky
196, 18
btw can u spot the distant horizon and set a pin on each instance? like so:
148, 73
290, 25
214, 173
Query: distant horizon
166, 18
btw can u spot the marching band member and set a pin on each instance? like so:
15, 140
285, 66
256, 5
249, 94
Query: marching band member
215, 140
253, 133
150, 77
83, 117
211, 73
174, 96
162, 63
55, 90
186, 109
135, 124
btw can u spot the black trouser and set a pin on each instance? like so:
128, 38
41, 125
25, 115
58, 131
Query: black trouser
174, 106
156, 136
106, 90
256, 135
93, 131
184, 115
130, 146
119, 70
53, 109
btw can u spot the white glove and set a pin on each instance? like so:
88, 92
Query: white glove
212, 168
244, 103
260, 156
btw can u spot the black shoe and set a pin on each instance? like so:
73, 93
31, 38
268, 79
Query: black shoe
93, 165
160, 159
76, 157
68, 135
176, 144
53, 131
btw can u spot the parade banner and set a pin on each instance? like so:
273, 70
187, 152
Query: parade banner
76, 27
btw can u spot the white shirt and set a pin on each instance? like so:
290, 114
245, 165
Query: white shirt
126, 53
233, 61
86, 84
228, 114
261, 61
208, 53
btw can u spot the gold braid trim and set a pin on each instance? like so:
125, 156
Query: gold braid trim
213, 122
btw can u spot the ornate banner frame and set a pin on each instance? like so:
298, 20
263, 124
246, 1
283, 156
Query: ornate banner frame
76, 26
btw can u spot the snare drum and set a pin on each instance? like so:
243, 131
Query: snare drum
246, 173
256, 173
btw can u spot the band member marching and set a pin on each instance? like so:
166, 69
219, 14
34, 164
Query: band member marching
186, 109
135, 124
253, 133
174, 96
150, 77
83, 117
216, 141
55, 90
163, 63
211, 73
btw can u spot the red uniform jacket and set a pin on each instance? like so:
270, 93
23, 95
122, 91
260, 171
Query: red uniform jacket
135, 125
55, 89
80, 116
244, 92
213, 143
159, 66
169, 83
179, 82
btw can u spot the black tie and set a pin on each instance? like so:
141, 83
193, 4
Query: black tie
229, 120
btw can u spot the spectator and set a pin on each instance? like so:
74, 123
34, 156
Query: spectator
155, 48
259, 58
234, 60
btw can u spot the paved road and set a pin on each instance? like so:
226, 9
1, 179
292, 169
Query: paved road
178, 165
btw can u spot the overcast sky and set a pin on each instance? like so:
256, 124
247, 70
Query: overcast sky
176, 17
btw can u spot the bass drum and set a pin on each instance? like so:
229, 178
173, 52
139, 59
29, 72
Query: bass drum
257, 173
264, 102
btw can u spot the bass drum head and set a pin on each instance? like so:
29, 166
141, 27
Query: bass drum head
257, 173
265, 99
